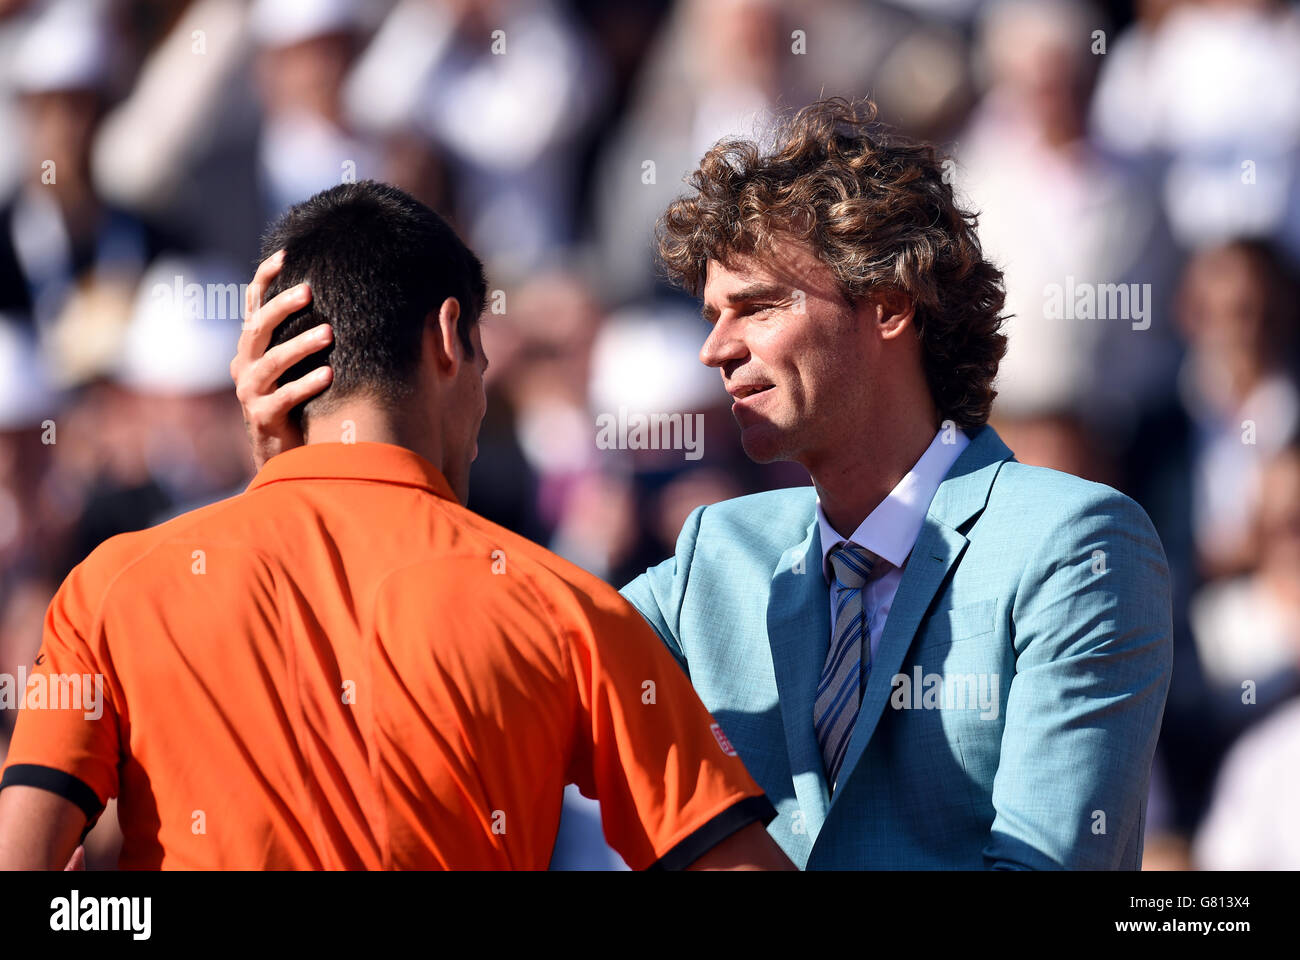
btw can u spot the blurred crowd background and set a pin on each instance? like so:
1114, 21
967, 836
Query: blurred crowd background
145, 145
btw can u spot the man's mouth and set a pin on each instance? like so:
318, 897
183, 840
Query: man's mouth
748, 390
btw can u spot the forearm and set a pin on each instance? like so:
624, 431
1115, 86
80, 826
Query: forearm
39, 830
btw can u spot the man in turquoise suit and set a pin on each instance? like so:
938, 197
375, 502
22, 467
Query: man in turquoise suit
934, 657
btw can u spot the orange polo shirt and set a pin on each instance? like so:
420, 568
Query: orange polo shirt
344, 668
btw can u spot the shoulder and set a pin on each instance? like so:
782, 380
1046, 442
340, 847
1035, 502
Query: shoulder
781, 516
128, 556
546, 576
1054, 521
1042, 498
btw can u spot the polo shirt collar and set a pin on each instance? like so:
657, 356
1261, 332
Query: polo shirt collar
378, 462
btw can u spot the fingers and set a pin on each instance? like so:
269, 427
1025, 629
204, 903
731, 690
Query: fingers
258, 328
245, 351
257, 370
266, 407
267, 271
260, 376
78, 861
302, 389
267, 414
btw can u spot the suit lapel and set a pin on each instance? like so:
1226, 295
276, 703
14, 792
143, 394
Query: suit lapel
963, 494
798, 628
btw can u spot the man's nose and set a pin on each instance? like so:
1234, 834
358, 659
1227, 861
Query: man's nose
721, 346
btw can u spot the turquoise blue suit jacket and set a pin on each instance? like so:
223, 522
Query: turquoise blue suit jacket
1047, 593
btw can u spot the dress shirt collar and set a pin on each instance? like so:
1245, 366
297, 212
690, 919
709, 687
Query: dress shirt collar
891, 529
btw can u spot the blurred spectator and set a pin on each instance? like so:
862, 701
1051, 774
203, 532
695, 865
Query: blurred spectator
717, 68
176, 361
305, 50
15, 18
1237, 310
1054, 213
723, 67
646, 361
1194, 466
57, 234
504, 88
543, 339
30, 525
1207, 95
182, 144
1252, 824
1247, 628
1245, 662
1059, 440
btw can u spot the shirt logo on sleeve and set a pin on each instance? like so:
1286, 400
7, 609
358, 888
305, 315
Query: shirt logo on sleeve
723, 742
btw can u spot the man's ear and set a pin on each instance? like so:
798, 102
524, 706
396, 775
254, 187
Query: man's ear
893, 312
448, 350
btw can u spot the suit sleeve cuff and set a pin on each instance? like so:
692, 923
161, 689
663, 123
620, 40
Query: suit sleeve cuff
740, 814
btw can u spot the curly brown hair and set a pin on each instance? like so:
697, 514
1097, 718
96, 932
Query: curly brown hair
877, 209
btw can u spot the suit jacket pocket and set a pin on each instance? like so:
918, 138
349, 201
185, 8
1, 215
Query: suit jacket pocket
946, 627
971, 619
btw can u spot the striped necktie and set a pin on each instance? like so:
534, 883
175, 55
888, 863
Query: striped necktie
848, 663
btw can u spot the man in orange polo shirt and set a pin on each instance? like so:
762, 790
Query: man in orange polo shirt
343, 667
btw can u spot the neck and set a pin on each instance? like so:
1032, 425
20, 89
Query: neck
361, 421
854, 478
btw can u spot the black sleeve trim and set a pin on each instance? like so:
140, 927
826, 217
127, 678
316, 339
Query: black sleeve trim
740, 814
56, 781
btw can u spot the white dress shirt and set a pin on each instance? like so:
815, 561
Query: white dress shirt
891, 529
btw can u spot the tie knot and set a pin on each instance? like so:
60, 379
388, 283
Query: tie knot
852, 564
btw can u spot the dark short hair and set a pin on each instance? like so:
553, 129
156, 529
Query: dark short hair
878, 210
378, 261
